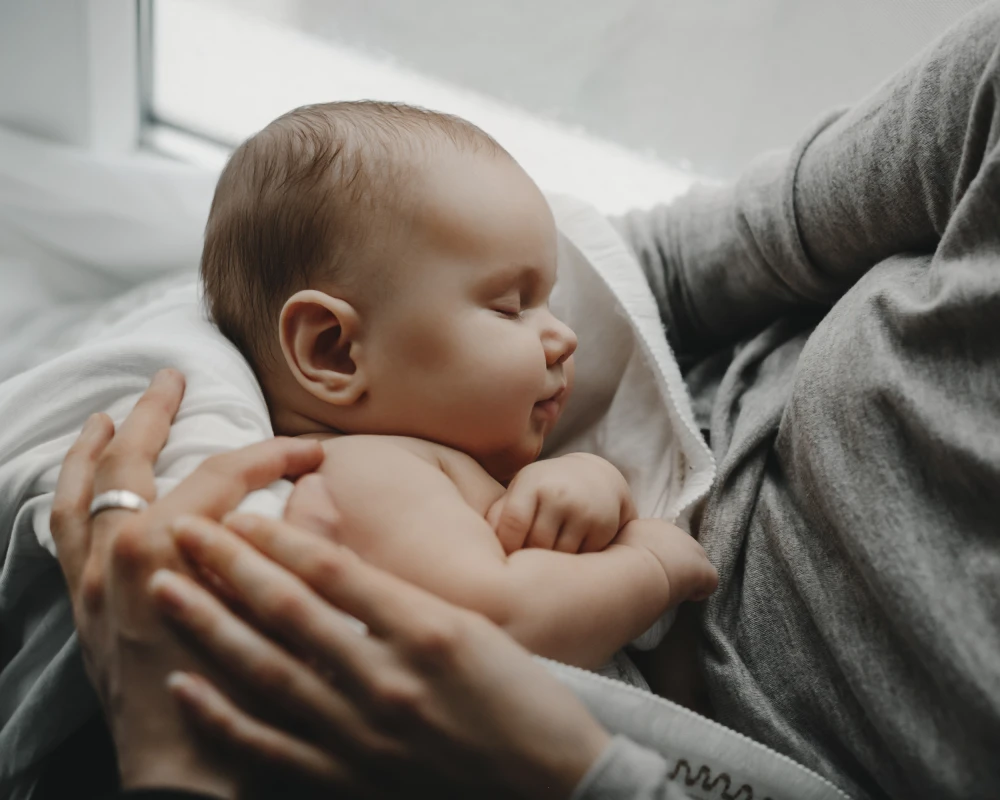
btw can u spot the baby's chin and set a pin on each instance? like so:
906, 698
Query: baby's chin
504, 465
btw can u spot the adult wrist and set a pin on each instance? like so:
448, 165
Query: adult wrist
569, 768
623, 769
180, 771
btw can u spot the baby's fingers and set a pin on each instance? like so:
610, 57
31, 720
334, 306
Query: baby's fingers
572, 535
512, 517
545, 530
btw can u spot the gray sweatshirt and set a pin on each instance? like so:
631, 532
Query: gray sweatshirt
839, 310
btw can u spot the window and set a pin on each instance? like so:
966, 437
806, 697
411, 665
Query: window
616, 102
219, 72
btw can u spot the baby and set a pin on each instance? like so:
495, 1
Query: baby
386, 271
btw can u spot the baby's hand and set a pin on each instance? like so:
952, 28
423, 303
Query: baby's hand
575, 504
688, 572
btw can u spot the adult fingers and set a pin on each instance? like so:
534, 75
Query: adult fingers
220, 718
127, 462
215, 487
389, 606
273, 674
221, 482
74, 492
279, 599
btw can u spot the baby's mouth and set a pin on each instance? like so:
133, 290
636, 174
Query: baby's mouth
551, 407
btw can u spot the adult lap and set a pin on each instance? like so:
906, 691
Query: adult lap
856, 625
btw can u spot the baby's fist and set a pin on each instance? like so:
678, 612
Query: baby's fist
574, 504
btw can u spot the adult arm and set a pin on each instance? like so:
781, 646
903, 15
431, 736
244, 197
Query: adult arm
798, 228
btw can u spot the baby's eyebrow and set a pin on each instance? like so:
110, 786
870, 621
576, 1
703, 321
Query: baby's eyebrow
519, 274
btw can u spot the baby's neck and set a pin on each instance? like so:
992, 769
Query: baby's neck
288, 422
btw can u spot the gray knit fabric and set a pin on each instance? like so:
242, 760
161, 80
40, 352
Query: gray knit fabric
853, 289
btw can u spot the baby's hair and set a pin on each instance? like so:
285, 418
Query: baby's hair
299, 202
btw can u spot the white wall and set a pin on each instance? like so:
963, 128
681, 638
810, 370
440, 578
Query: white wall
69, 70
707, 82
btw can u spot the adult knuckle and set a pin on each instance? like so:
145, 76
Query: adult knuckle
273, 677
215, 466
438, 641
159, 401
328, 568
115, 466
397, 699
62, 516
130, 548
379, 751
288, 611
92, 588
113, 458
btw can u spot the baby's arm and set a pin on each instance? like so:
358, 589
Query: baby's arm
617, 593
400, 511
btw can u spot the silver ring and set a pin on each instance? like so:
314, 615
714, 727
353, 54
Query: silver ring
117, 498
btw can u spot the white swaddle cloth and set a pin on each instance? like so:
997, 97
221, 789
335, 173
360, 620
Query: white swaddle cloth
78, 228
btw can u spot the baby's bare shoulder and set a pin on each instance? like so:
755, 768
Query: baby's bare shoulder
370, 451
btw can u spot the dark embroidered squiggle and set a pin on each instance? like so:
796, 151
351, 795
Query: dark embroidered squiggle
704, 780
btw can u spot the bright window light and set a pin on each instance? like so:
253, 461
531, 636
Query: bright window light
225, 73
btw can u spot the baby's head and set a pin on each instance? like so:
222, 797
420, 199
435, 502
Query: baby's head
386, 269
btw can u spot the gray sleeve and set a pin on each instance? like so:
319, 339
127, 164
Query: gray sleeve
626, 770
800, 227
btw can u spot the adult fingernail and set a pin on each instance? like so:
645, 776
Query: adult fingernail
182, 682
166, 589
165, 375
190, 529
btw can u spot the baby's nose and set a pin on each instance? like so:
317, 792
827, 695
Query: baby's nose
560, 342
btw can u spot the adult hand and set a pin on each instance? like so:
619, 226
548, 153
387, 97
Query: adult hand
433, 696
107, 560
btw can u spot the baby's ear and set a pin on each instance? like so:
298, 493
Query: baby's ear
319, 339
